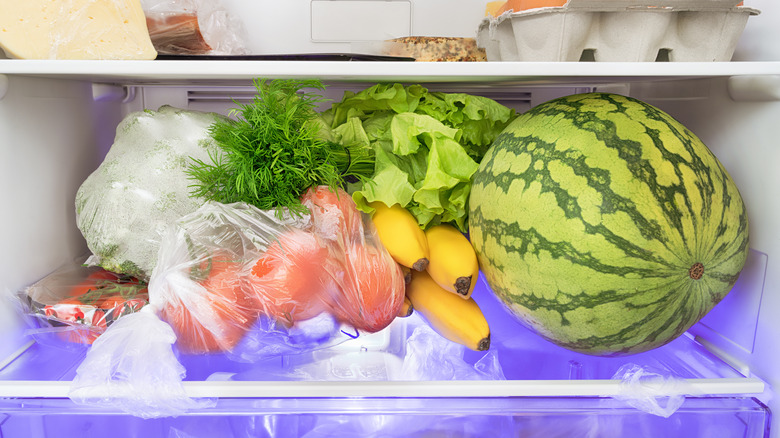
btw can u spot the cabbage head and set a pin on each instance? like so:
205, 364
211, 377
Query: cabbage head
124, 207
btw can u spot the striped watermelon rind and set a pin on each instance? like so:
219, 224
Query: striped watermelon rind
605, 225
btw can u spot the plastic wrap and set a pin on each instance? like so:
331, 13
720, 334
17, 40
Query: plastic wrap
75, 29
653, 391
432, 357
233, 279
133, 367
125, 206
365, 286
193, 27
76, 303
201, 282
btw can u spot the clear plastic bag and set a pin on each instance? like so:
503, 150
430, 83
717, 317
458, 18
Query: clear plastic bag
133, 367
76, 303
653, 391
431, 357
201, 282
124, 207
193, 27
365, 286
252, 284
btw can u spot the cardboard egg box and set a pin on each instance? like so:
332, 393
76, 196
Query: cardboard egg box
617, 30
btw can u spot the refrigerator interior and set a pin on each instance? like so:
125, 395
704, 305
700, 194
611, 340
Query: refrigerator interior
57, 120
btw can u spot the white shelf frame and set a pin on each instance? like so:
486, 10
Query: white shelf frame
392, 389
216, 72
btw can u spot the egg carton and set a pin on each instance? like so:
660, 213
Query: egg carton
617, 30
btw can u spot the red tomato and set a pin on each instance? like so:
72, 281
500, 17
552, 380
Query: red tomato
372, 289
334, 213
218, 319
288, 278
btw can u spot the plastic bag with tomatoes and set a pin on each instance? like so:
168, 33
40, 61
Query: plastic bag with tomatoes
76, 303
233, 279
227, 271
200, 285
366, 286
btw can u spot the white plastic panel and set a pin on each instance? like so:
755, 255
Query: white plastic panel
358, 20
287, 26
48, 145
758, 41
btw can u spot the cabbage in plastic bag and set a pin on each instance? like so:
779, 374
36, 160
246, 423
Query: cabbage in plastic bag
125, 206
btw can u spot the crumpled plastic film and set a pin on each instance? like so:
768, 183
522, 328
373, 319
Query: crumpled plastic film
193, 27
650, 390
429, 356
75, 304
132, 367
268, 338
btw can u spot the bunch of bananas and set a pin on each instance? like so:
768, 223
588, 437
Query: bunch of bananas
441, 270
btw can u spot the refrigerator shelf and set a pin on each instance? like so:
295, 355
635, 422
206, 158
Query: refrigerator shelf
387, 364
192, 72
403, 389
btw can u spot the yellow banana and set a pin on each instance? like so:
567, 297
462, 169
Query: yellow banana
407, 274
453, 263
401, 235
406, 308
449, 315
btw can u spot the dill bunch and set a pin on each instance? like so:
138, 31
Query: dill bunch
274, 151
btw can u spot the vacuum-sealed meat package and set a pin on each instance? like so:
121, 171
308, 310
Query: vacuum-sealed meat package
77, 303
193, 27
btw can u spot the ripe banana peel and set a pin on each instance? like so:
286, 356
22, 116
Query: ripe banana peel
451, 316
406, 308
401, 235
453, 262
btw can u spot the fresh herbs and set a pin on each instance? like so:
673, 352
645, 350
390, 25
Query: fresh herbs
275, 149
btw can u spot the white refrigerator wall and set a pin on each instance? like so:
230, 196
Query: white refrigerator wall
330, 26
48, 143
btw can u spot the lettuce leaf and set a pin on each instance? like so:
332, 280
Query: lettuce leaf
427, 146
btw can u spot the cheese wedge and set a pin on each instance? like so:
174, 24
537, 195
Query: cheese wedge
74, 29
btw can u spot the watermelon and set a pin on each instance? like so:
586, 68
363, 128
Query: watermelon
605, 225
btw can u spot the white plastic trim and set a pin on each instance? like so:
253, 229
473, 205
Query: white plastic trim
108, 93
755, 88
3, 86
215, 72
435, 389
11, 357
